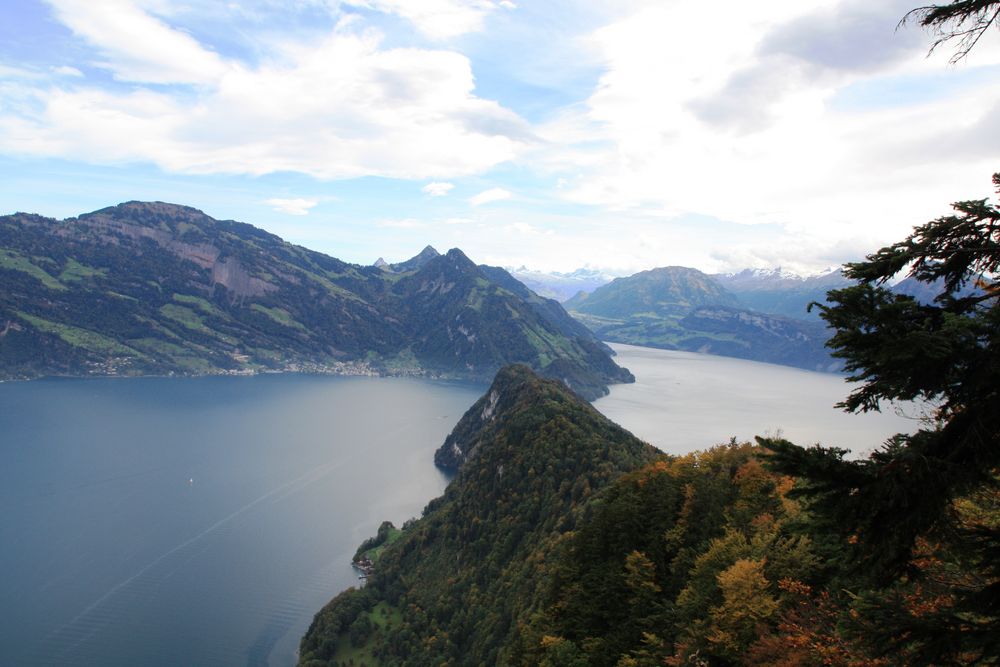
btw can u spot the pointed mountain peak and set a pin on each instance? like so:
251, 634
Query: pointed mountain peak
453, 262
381, 264
429, 252
417, 261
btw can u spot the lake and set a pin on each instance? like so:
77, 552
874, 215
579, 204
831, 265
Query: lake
682, 401
195, 521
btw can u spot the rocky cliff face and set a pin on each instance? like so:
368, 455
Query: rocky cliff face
476, 425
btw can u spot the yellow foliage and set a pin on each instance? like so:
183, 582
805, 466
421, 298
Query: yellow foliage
747, 602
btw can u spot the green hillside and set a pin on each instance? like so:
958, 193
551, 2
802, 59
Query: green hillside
671, 291
154, 288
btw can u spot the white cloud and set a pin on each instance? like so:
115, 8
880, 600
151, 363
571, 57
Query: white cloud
815, 120
66, 70
10, 73
296, 206
742, 127
136, 46
339, 107
491, 195
437, 188
438, 19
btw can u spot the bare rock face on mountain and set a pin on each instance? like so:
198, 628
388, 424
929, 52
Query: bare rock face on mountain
159, 288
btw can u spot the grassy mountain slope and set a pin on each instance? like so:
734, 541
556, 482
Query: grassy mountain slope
157, 288
466, 316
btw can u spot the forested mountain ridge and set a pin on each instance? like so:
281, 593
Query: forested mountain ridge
155, 288
461, 583
563, 541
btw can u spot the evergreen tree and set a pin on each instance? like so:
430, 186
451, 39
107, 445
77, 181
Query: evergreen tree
947, 355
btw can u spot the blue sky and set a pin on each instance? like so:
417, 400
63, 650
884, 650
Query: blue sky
553, 134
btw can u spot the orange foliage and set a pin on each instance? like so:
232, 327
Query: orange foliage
806, 635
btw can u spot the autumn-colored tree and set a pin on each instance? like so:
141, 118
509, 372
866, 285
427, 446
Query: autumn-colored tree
747, 604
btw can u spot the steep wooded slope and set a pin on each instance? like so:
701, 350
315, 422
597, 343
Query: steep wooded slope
461, 582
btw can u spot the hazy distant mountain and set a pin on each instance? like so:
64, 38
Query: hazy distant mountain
670, 291
145, 288
926, 292
678, 308
780, 293
561, 286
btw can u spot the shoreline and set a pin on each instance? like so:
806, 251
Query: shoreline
347, 369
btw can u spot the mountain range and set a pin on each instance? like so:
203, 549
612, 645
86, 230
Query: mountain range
679, 308
777, 292
157, 288
561, 286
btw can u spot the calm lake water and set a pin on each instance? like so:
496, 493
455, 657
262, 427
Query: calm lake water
203, 521
683, 401
199, 521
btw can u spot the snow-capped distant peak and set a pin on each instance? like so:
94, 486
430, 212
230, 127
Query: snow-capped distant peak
561, 286
777, 273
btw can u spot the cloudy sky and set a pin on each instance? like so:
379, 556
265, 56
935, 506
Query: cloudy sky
557, 134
